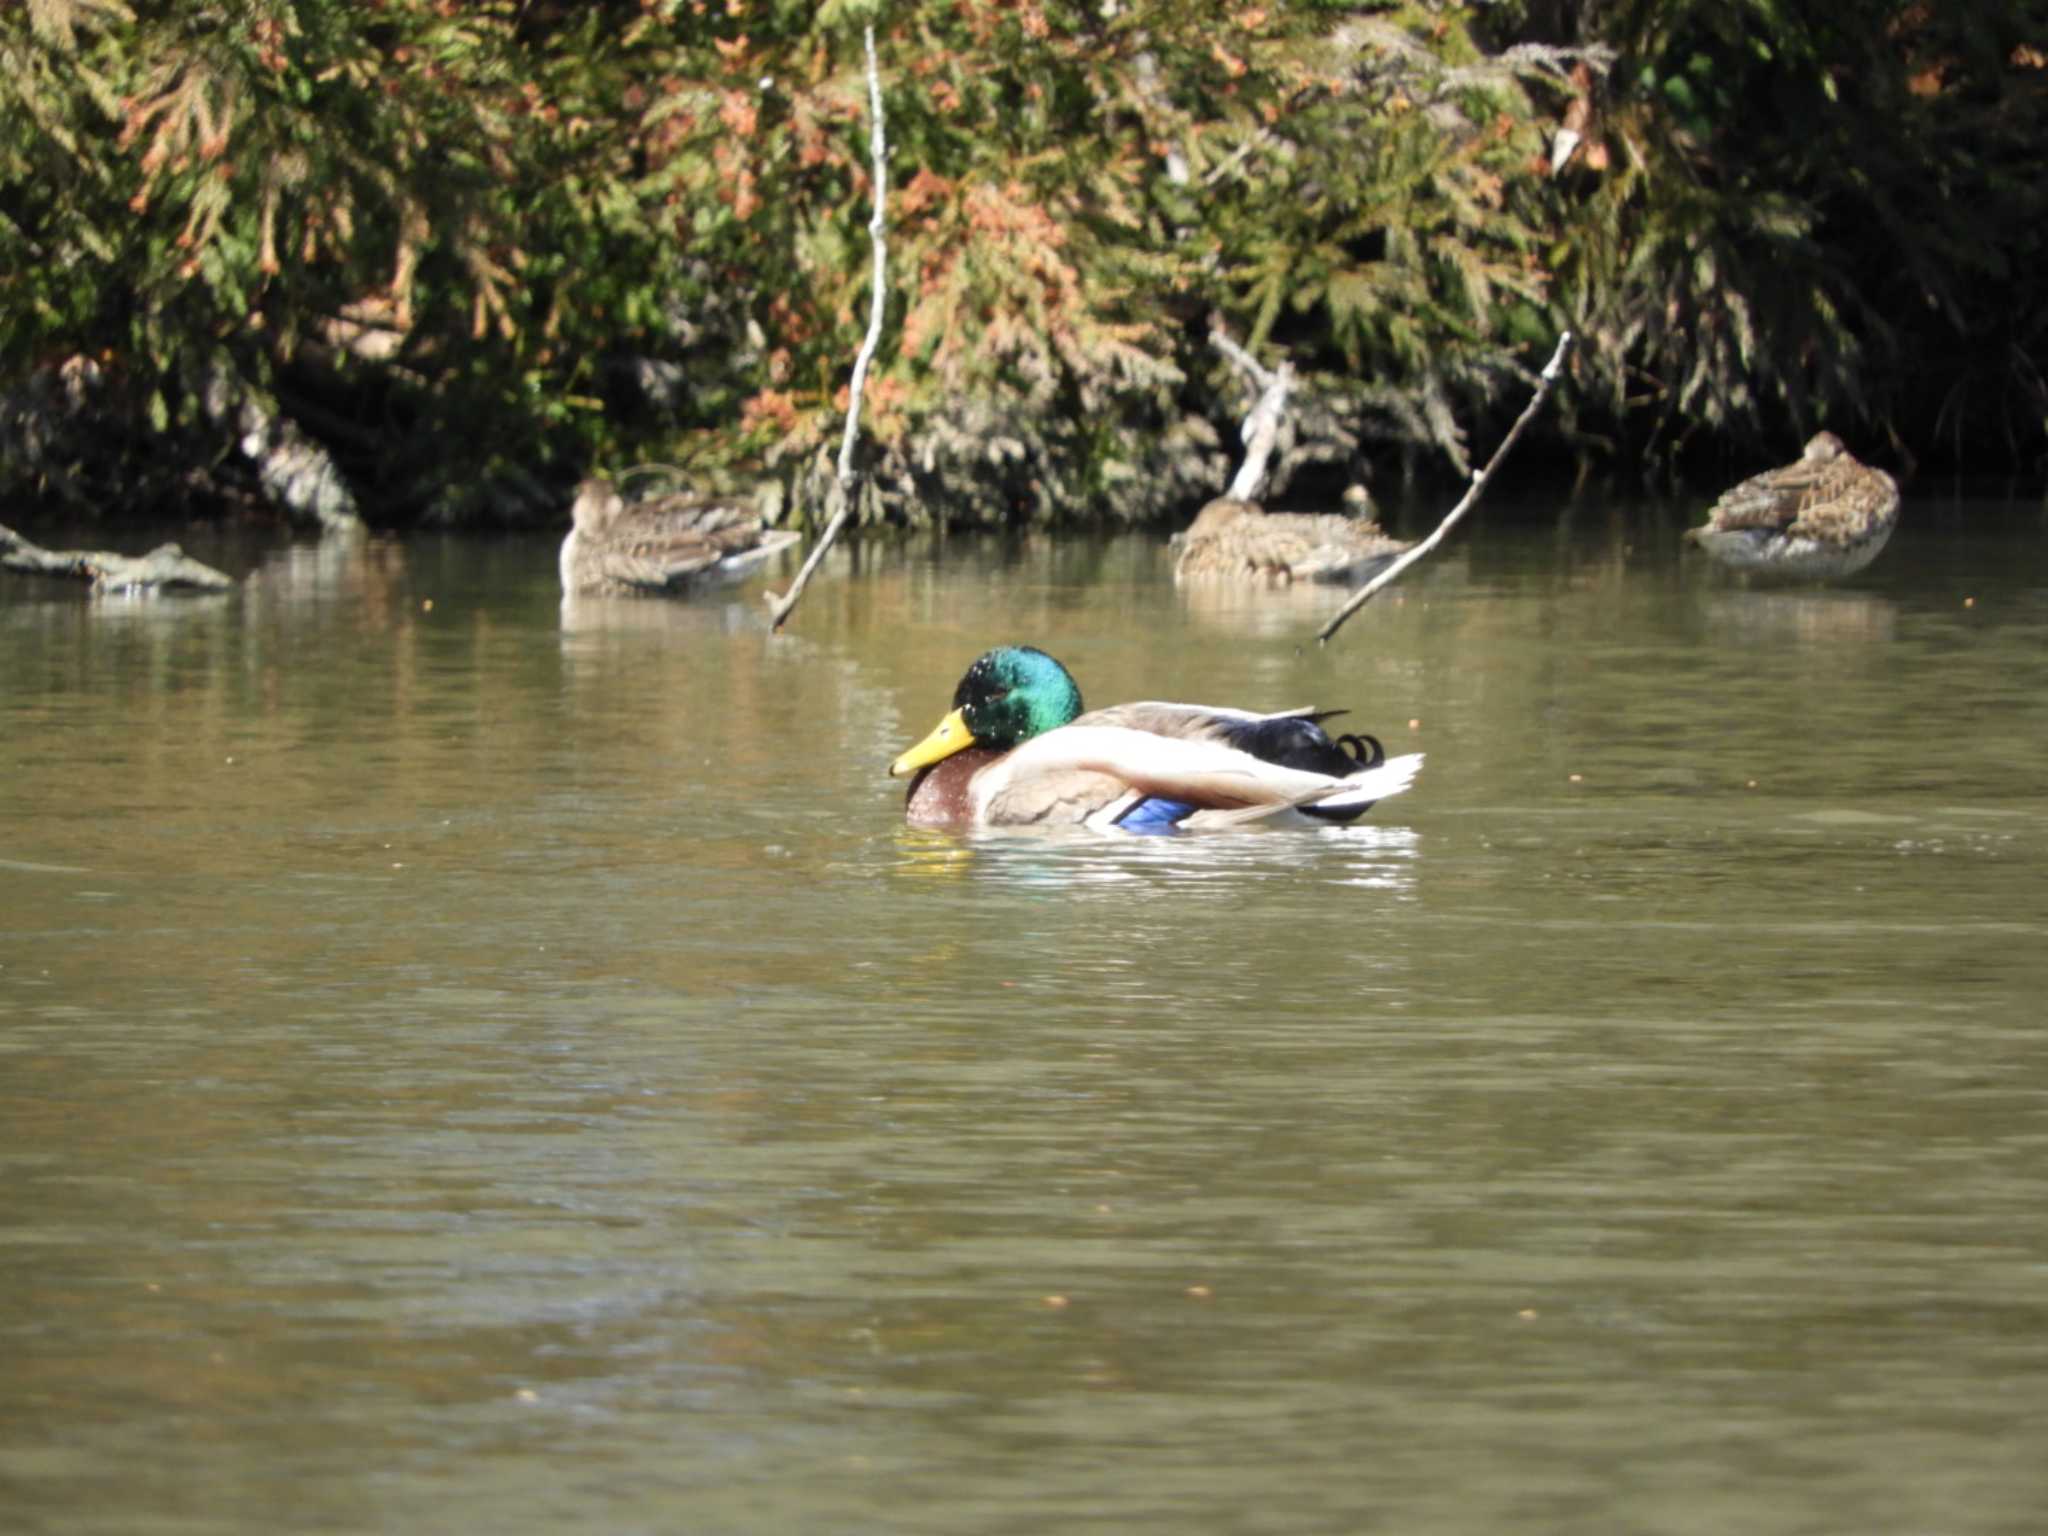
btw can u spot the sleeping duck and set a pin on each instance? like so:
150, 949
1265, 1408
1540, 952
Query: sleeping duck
666, 542
1825, 515
1237, 540
1018, 751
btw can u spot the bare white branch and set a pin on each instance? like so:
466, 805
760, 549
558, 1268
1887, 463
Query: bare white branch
779, 608
1262, 426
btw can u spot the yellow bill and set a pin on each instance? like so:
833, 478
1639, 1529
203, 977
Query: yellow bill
950, 735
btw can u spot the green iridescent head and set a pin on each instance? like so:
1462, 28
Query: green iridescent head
1008, 696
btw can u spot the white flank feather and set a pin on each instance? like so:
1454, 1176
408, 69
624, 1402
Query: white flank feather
1175, 768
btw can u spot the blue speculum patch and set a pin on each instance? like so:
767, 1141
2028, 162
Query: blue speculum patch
1155, 815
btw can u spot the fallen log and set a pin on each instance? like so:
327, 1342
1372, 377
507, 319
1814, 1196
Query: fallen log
166, 567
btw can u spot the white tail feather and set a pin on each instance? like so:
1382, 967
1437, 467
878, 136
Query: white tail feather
1390, 778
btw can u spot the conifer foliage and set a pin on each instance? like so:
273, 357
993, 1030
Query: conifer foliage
471, 250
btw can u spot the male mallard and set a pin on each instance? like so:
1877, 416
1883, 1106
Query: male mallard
1018, 751
661, 543
1826, 515
1235, 539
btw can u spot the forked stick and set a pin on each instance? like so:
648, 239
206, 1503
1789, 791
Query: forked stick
1262, 426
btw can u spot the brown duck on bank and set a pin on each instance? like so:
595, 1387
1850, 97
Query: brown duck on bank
666, 542
1824, 516
1236, 540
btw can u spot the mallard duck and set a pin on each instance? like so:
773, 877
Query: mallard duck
1018, 751
666, 542
1237, 540
1826, 515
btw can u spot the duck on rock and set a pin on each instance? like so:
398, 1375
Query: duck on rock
1824, 516
1018, 750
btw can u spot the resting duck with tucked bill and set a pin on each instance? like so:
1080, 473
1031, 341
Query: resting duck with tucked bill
1824, 516
1017, 750
1237, 540
669, 542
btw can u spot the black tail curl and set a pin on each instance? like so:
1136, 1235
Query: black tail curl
1363, 750
1297, 741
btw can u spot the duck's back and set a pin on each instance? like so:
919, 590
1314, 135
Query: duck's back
1292, 738
1832, 498
1235, 539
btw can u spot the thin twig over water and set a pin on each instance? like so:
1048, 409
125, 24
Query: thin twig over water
779, 608
1358, 599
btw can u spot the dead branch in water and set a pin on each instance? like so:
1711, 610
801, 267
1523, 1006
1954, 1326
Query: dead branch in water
779, 608
163, 567
1262, 426
1358, 599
